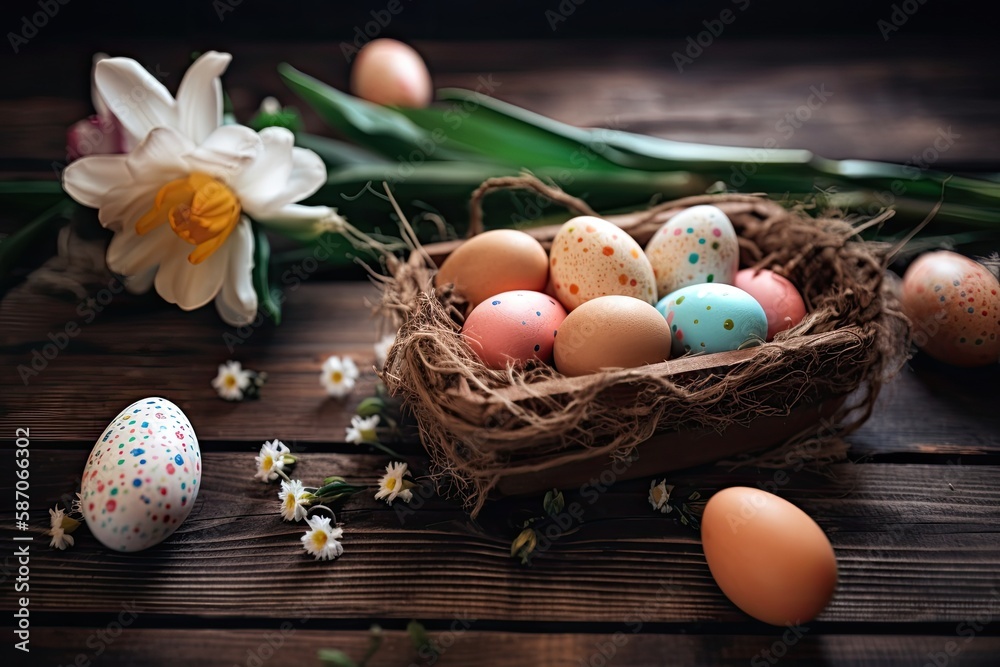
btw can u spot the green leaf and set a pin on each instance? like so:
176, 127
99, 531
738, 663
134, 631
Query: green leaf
376, 127
12, 247
266, 299
419, 637
372, 405
554, 502
337, 153
335, 658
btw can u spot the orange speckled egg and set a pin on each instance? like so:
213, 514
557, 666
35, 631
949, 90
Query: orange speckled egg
768, 557
777, 296
514, 327
611, 332
496, 261
591, 257
954, 306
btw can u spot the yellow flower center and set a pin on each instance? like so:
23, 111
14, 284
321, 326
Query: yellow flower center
230, 382
319, 539
337, 377
200, 209
390, 483
290, 501
267, 463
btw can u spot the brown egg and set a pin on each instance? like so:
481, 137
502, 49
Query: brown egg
611, 332
501, 260
390, 72
953, 304
768, 557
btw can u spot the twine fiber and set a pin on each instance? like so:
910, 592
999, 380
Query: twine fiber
479, 425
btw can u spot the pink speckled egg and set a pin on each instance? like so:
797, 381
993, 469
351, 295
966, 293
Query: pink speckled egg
698, 245
142, 476
954, 306
514, 327
591, 257
777, 296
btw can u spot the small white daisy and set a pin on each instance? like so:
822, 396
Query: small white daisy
382, 348
231, 381
270, 460
392, 485
294, 499
338, 376
362, 429
659, 496
60, 538
321, 538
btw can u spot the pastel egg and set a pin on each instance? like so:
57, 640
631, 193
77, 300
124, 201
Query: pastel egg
514, 327
768, 557
611, 332
496, 261
713, 318
698, 245
390, 72
142, 477
953, 304
591, 257
776, 294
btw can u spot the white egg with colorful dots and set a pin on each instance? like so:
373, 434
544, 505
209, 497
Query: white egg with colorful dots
591, 257
712, 318
698, 245
142, 477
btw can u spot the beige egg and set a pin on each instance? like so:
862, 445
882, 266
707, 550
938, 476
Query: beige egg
389, 72
611, 332
591, 257
500, 260
768, 557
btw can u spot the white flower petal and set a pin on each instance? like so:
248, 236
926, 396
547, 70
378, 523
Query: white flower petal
88, 179
100, 106
263, 180
226, 152
302, 222
307, 175
199, 97
189, 285
130, 253
125, 204
135, 97
140, 283
158, 157
237, 302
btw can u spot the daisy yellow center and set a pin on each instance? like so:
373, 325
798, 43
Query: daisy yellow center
390, 483
267, 463
200, 209
230, 382
290, 501
337, 377
319, 539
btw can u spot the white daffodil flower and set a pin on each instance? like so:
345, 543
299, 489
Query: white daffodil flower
178, 202
321, 538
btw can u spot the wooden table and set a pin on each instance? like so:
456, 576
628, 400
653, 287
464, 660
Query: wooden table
913, 515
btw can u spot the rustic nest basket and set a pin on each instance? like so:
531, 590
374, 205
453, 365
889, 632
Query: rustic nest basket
525, 430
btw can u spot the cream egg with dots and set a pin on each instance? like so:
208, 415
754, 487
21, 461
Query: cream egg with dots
698, 245
591, 257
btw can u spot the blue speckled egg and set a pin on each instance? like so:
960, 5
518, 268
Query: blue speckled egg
712, 317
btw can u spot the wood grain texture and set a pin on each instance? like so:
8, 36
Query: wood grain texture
136, 347
913, 542
883, 101
292, 641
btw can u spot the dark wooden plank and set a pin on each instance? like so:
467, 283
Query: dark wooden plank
913, 542
884, 101
291, 641
140, 347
